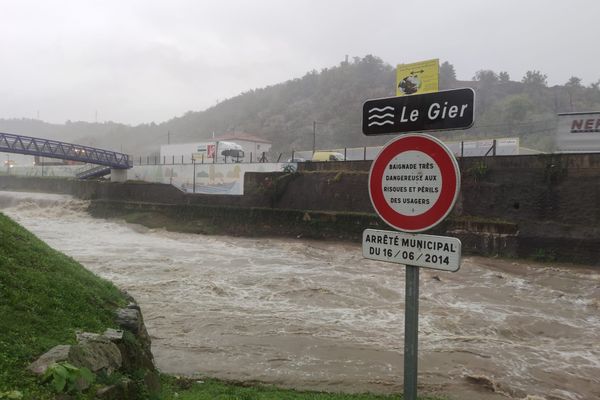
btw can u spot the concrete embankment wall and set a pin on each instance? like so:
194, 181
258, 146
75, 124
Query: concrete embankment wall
545, 206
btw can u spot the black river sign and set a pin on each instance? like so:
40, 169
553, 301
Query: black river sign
437, 111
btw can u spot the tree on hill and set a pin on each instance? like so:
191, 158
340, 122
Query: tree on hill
535, 78
574, 89
574, 82
486, 77
447, 75
516, 108
485, 93
504, 77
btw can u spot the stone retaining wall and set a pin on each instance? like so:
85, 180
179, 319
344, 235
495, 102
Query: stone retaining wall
552, 202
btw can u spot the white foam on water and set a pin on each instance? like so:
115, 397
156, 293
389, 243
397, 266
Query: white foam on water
315, 314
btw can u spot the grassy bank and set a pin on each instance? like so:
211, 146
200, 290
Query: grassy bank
210, 389
45, 297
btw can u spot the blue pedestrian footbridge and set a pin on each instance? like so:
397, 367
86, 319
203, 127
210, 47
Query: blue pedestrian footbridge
11, 143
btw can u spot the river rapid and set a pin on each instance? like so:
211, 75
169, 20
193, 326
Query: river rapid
316, 315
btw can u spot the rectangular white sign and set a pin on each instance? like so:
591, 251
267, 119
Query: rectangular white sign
578, 132
436, 252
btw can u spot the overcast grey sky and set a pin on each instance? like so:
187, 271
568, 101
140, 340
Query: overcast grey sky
144, 61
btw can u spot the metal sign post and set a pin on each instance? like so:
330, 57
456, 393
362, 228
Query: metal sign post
435, 252
411, 332
194, 177
413, 185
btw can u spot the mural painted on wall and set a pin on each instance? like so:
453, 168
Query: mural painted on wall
209, 179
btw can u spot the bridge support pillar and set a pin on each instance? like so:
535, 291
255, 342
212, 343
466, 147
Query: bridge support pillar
118, 175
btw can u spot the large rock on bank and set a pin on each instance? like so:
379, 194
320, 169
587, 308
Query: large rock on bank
95, 352
127, 350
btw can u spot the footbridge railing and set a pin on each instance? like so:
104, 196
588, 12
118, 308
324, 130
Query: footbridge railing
10, 143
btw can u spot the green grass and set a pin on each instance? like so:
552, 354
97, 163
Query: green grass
45, 297
211, 389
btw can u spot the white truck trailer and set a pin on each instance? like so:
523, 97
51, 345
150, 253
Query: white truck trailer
207, 152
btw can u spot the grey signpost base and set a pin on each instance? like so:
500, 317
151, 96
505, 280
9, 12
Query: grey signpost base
411, 332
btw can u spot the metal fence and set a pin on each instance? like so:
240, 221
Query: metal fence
471, 148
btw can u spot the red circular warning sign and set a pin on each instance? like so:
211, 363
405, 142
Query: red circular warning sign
414, 182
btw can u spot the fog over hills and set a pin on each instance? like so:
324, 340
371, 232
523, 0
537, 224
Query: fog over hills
284, 113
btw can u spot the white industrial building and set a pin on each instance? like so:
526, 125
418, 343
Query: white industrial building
252, 146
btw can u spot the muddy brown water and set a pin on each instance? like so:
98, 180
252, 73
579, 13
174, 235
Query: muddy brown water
316, 315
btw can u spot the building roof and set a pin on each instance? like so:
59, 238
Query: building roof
242, 136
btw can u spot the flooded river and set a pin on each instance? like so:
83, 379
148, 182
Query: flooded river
316, 315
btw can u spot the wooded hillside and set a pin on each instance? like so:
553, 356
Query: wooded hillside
284, 113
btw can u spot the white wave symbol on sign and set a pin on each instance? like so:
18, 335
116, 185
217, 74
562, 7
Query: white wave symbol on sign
381, 109
382, 117
381, 123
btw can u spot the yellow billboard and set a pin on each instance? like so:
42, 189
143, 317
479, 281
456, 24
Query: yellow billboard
417, 78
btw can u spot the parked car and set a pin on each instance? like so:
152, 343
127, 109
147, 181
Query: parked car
327, 156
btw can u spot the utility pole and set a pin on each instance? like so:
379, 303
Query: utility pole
314, 135
168, 137
570, 99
